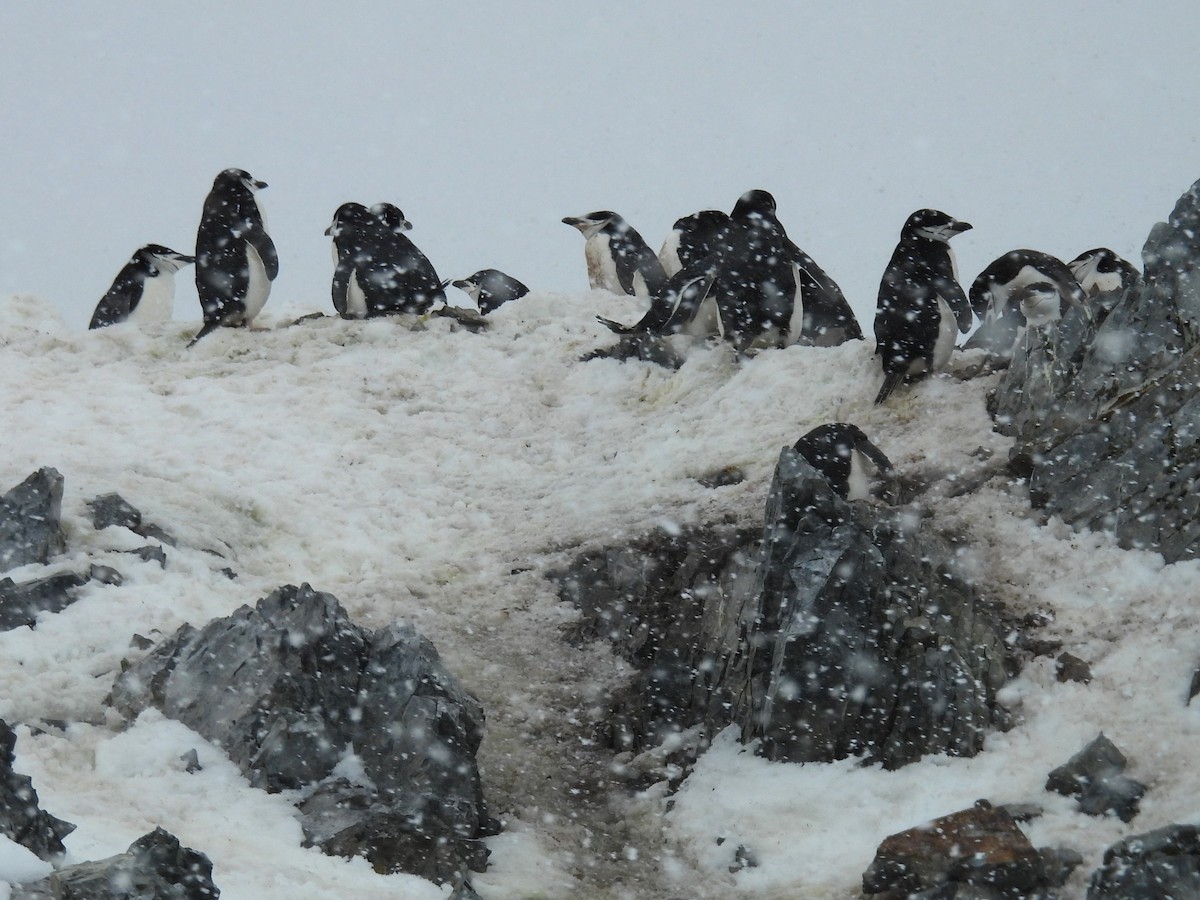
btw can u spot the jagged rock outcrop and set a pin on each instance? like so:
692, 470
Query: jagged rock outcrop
291, 687
30, 529
1160, 863
840, 631
155, 865
112, 509
1106, 407
20, 603
21, 819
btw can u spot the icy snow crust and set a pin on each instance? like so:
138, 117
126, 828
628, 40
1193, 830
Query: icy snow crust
434, 476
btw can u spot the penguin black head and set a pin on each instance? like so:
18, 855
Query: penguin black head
490, 289
1100, 271
754, 204
392, 217
933, 225
846, 457
349, 216
594, 222
164, 259
231, 177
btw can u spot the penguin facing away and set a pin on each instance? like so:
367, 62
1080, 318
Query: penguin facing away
490, 289
921, 305
693, 238
1100, 271
401, 271
846, 457
996, 295
353, 230
236, 259
144, 289
618, 259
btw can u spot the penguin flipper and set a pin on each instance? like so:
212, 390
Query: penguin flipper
890, 381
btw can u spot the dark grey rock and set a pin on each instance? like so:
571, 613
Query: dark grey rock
292, 686
863, 638
151, 553
1093, 776
105, 575
114, 510
21, 820
20, 604
1106, 408
1058, 863
30, 529
155, 866
1071, 668
1158, 864
743, 858
191, 762
978, 852
839, 631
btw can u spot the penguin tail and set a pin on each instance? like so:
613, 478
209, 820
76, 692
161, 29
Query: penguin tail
210, 326
614, 327
890, 381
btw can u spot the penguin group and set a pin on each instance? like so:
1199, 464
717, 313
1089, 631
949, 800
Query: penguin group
736, 277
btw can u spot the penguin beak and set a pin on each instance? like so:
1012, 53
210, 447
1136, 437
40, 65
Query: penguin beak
574, 222
959, 227
462, 284
259, 185
184, 260
329, 231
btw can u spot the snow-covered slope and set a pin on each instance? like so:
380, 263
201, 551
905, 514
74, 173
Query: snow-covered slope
434, 476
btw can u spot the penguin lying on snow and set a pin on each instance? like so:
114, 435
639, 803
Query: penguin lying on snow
921, 304
846, 457
490, 289
378, 271
144, 289
235, 257
1001, 291
618, 259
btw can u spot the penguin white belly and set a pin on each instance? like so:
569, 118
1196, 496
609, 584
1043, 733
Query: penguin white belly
258, 286
707, 320
858, 484
602, 269
639, 286
947, 333
796, 321
668, 256
157, 301
356, 300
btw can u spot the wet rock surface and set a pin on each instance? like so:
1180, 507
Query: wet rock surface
837, 630
292, 688
1160, 863
1106, 407
155, 865
30, 529
21, 819
20, 603
1094, 776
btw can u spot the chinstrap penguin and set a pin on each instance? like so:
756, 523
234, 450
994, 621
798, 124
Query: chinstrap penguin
693, 238
236, 259
144, 289
618, 259
1100, 271
921, 306
490, 289
998, 292
846, 457
354, 231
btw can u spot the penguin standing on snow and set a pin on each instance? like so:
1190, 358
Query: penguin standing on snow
771, 292
1100, 271
355, 233
998, 291
490, 289
235, 257
921, 304
618, 259
846, 457
144, 289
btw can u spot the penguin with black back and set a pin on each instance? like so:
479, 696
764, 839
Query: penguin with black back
355, 233
490, 289
693, 238
407, 281
1100, 271
921, 305
996, 296
618, 259
236, 259
769, 291
144, 289
846, 457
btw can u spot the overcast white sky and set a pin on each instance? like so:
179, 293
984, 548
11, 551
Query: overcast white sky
1058, 127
